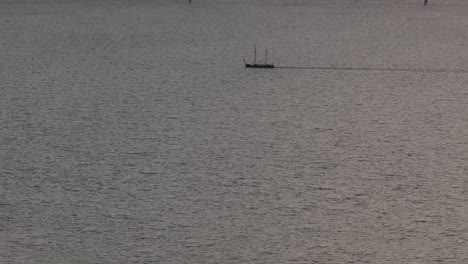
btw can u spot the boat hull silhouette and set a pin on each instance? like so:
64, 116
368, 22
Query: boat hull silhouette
251, 65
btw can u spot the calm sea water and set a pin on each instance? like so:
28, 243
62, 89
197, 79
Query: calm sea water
131, 133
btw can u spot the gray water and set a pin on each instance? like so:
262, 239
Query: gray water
130, 132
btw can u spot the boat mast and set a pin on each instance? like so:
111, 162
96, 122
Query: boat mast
266, 54
255, 54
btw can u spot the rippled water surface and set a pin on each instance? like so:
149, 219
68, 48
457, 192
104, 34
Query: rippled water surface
130, 132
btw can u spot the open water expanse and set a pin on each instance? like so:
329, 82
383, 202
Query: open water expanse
130, 132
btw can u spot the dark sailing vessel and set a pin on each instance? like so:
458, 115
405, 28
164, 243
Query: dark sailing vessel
258, 65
